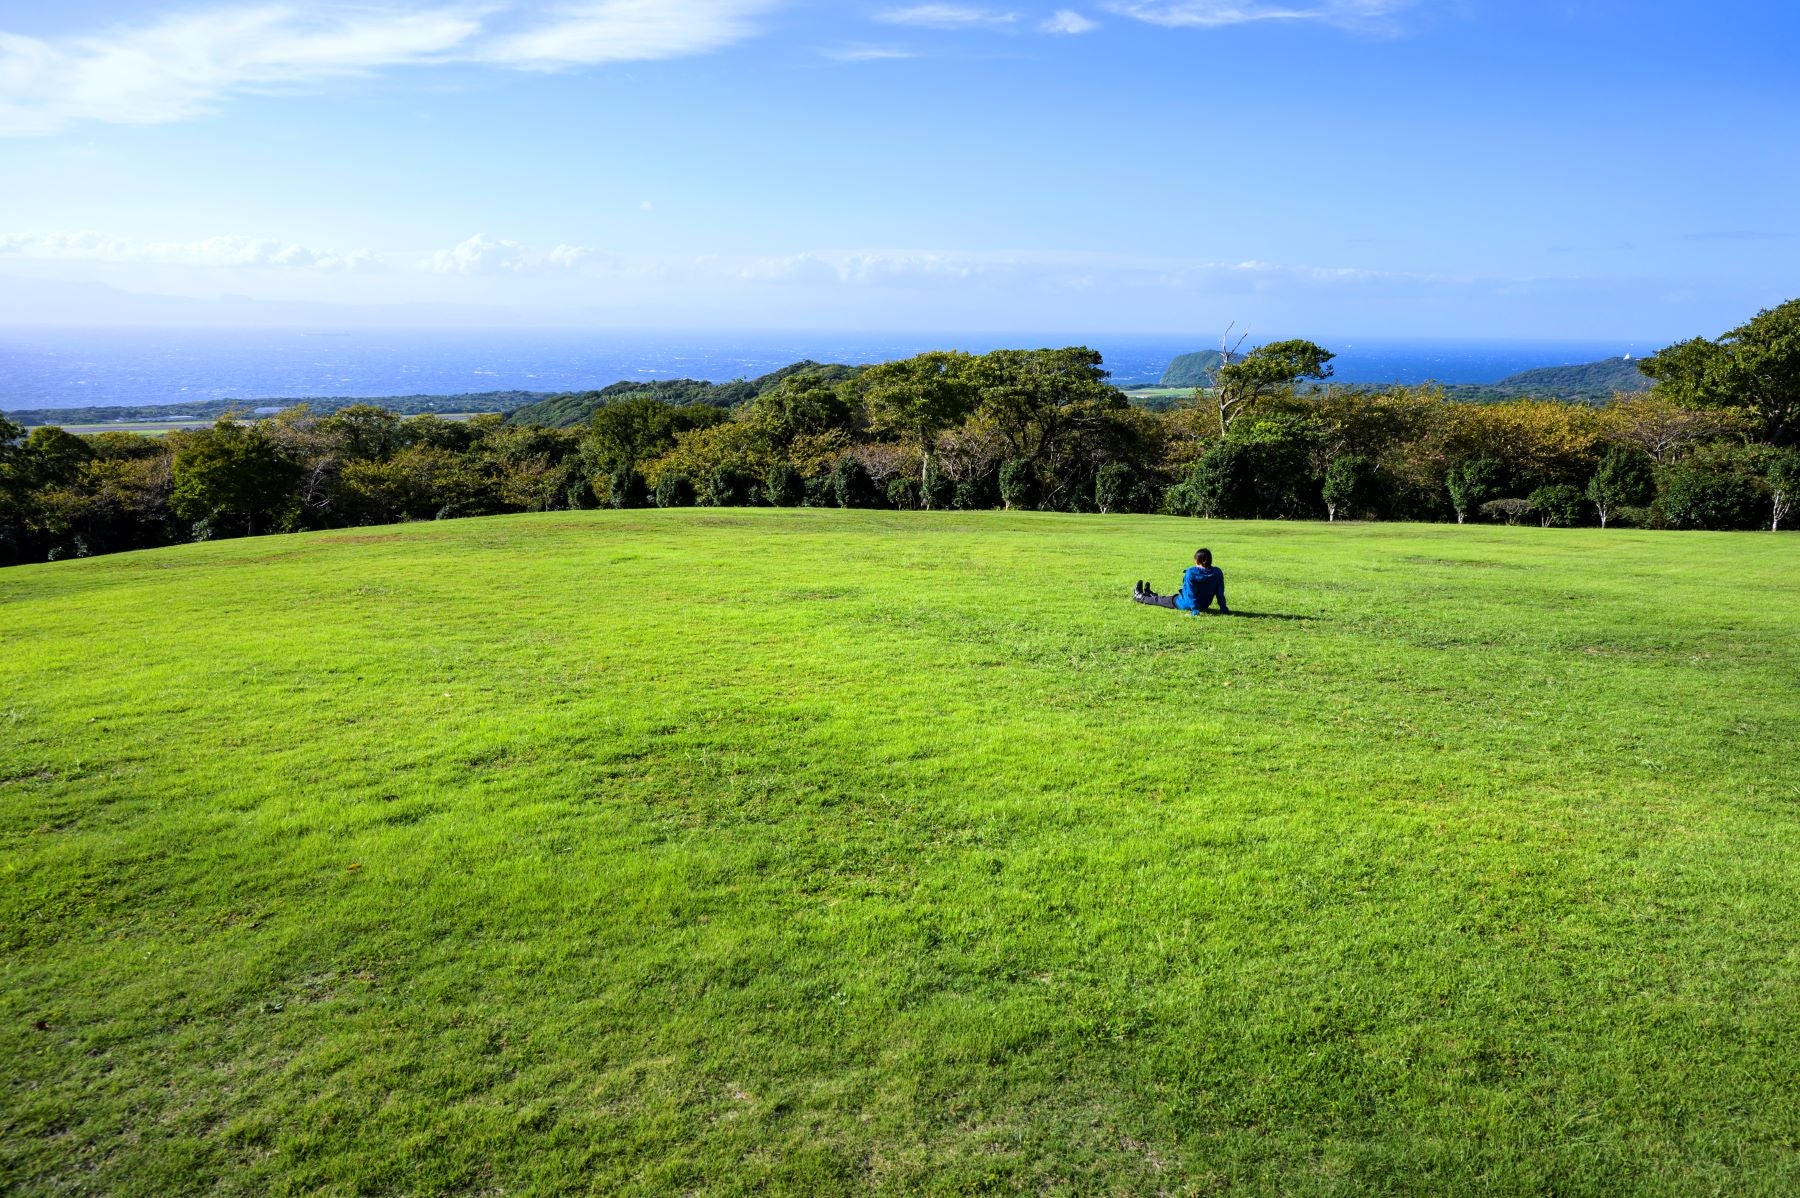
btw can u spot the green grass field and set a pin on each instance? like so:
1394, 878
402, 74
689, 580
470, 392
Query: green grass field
812, 852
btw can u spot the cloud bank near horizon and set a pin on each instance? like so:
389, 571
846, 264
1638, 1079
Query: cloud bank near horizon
484, 278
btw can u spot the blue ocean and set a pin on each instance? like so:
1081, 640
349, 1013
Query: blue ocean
60, 368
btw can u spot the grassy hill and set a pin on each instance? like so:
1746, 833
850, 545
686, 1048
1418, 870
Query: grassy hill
802, 851
1192, 370
1592, 382
566, 411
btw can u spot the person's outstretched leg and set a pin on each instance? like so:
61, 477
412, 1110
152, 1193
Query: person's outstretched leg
1153, 599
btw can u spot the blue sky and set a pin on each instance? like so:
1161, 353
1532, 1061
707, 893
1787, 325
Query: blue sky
1464, 168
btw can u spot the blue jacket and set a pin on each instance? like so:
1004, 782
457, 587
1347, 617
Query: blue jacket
1199, 586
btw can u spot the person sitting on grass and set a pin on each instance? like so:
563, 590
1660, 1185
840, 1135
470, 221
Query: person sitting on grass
1199, 587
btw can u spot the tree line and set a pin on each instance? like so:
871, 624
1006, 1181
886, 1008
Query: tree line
1713, 445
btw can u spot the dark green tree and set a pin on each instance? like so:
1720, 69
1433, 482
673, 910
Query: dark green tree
1350, 485
1625, 478
364, 432
785, 488
230, 474
1473, 483
1557, 506
917, 398
15, 494
629, 432
52, 457
728, 486
1268, 370
851, 485
1018, 485
1221, 485
1783, 475
1705, 495
1116, 488
1754, 367
937, 491
675, 490
1029, 395
626, 489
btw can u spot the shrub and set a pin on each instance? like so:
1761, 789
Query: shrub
730, 486
1116, 489
1510, 510
821, 491
785, 487
1691, 496
1220, 486
851, 485
675, 490
938, 491
1276, 461
626, 489
1558, 506
978, 493
903, 494
1018, 485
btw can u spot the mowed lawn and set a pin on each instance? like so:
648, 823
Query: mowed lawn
739, 851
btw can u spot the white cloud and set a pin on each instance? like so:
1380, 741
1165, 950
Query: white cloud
947, 16
1068, 21
861, 53
483, 265
569, 255
183, 65
1213, 14
480, 255
186, 65
628, 31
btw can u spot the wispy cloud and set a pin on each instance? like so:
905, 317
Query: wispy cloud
1068, 21
183, 65
187, 65
482, 255
1214, 14
866, 53
227, 250
476, 255
627, 31
948, 16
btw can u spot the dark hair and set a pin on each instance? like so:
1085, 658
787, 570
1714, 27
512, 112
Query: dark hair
1203, 556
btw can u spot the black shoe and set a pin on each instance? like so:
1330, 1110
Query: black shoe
1139, 589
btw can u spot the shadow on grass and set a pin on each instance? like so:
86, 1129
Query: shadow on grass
1265, 615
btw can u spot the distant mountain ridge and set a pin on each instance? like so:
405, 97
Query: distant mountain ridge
1588, 382
576, 407
212, 409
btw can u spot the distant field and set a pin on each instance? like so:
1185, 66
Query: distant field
155, 428
738, 851
148, 428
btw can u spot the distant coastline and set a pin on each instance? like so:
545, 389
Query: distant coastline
67, 370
